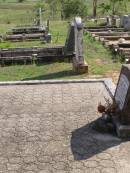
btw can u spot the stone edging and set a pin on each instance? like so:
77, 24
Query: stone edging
110, 86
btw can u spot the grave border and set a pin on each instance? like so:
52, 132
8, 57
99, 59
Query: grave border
109, 85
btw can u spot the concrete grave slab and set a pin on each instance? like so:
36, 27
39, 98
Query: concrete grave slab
45, 126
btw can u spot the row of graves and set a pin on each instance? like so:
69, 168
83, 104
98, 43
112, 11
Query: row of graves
72, 51
39, 30
28, 33
115, 35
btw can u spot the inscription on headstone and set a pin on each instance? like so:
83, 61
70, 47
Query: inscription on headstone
122, 98
122, 90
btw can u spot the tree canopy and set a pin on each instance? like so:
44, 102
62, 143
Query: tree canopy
70, 8
114, 7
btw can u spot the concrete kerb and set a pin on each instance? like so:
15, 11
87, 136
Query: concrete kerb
109, 85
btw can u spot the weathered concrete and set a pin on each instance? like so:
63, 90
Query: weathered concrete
111, 33
28, 29
24, 37
104, 29
46, 128
113, 38
74, 45
26, 55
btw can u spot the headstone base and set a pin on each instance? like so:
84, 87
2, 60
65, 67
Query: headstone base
123, 131
104, 124
81, 68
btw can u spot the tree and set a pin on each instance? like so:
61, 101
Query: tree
62, 9
54, 6
74, 8
114, 6
68, 8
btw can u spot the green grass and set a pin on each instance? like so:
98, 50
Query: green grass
99, 59
34, 72
58, 29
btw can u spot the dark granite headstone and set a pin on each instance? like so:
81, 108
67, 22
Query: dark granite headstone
122, 98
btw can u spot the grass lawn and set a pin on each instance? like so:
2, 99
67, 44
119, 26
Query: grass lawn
34, 72
99, 59
58, 29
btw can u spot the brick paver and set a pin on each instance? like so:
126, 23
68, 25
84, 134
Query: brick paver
47, 129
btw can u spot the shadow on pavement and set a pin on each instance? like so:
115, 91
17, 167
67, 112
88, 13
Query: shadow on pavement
86, 142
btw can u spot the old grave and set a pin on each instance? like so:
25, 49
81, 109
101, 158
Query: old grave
122, 98
28, 33
125, 22
74, 45
35, 31
115, 38
72, 51
115, 112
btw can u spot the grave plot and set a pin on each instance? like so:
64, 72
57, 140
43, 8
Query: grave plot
30, 55
103, 28
24, 37
73, 51
48, 128
117, 39
36, 31
28, 29
116, 112
28, 33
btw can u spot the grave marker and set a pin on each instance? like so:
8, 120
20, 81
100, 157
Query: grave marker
122, 98
74, 45
125, 22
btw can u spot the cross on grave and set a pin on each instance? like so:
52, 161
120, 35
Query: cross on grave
122, 98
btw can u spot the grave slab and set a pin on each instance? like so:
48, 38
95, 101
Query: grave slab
45, 127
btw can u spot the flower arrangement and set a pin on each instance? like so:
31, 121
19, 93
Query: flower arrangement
110, 107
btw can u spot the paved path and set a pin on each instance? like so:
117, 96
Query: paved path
47, 129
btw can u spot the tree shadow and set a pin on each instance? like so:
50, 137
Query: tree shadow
86, 142
56, 75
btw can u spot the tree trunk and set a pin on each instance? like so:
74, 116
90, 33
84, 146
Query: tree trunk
94, 8
113, 9
62, 9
